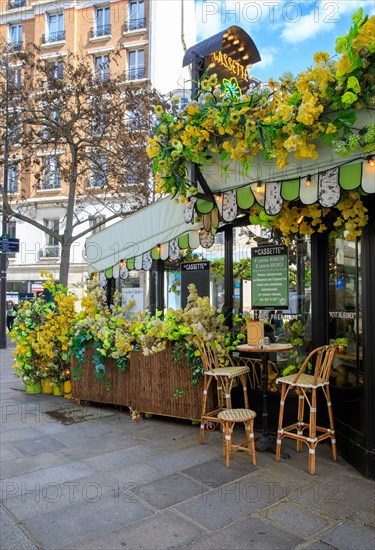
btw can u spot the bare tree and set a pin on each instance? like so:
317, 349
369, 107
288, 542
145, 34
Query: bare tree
79, 130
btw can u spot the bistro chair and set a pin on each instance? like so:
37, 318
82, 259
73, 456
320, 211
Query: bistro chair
306, 386
225, 377
231, 417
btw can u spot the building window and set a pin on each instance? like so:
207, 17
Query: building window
136, 18
14, 131
52, 248
48, 129
51, 173
136, 63
54, 28
12, 233
133, 120
15, 37
101, 67
100, 122
12, 178
98, 175
102, 22
182, 103
14, 4
15, 77
94, 220
55, 71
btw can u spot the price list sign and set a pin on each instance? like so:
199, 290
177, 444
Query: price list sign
269, 277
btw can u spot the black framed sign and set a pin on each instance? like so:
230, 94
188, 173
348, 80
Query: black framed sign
269, 277
197, 273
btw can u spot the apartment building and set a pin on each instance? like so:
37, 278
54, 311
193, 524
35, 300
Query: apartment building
151, 37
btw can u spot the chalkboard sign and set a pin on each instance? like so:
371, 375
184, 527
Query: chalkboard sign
197, 273
269, 277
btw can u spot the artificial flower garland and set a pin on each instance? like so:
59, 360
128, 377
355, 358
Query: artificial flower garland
277, 119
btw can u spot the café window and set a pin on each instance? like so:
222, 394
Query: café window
345, 311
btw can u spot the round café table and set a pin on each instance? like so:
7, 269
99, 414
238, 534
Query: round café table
265, 442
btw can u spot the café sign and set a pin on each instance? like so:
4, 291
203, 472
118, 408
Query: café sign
269, 277
228, 54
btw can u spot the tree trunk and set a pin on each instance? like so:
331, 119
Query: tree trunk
64, 264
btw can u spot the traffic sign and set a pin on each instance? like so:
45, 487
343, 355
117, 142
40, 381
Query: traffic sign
9, 244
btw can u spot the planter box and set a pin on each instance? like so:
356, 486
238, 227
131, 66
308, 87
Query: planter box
148, 385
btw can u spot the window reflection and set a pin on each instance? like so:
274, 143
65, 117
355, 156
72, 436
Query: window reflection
345, 314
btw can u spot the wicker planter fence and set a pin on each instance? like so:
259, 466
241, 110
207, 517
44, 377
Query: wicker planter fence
148, 385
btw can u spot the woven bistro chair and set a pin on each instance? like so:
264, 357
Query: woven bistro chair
307, 386
224, 377
231, 417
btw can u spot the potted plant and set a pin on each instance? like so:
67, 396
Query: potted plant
42, 332
342, 344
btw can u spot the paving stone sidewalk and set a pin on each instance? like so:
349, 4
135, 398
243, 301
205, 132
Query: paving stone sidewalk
76, 477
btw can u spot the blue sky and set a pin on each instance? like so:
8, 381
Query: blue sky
286, 33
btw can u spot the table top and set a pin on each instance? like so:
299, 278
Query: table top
272, 348
348, 356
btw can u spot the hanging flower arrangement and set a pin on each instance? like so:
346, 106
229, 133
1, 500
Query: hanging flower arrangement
349, 215
281, 118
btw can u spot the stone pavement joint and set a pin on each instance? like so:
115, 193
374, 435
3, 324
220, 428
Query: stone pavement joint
89, 477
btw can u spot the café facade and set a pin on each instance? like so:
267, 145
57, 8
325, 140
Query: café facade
319, 210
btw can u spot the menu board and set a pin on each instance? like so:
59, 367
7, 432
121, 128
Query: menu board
197, 273
269, 277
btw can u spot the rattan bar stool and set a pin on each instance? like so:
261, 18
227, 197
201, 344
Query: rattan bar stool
224, 377
230, 418
306, 386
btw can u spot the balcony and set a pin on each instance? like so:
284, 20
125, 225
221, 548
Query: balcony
135, 24
135, 74
49, 251
14, 46
53, 37
14, 4
97, 32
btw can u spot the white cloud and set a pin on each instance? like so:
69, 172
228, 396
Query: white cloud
268, 55
323, 17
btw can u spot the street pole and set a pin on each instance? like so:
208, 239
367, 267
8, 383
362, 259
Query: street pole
3, 257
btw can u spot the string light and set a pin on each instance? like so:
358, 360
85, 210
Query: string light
259, 186
308, 180
300, 219
371, 161
218, 196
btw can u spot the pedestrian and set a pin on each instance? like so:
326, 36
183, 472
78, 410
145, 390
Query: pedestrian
11, 311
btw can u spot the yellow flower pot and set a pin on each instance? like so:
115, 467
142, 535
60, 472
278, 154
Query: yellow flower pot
68, 389
58, 388
33, 388
47, 385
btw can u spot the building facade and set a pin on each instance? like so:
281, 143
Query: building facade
150, 37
